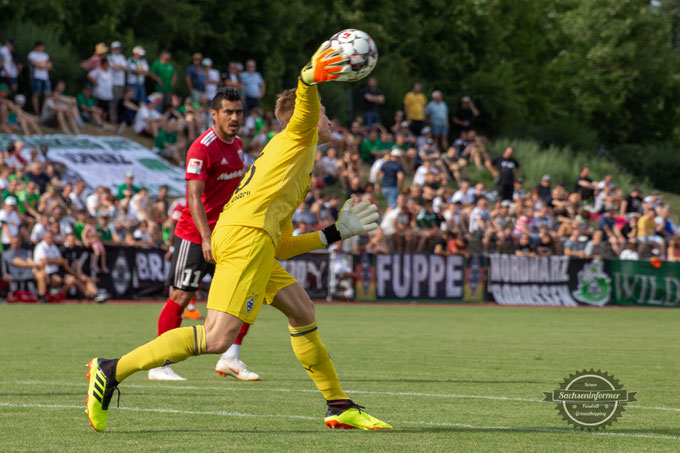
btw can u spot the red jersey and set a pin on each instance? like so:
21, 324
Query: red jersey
220, 166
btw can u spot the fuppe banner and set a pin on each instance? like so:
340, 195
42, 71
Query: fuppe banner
419, 277
103, 161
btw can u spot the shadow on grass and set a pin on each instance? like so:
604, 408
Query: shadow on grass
533, 430
453, 381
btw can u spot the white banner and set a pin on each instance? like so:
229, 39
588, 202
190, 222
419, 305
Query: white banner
103, 161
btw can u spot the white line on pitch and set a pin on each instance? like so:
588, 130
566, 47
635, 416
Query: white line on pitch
247, 388
305, 417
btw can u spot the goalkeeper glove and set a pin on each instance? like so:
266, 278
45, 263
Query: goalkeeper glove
326, 64
353, 220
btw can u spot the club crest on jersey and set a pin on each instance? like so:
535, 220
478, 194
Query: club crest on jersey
224, 161
250, 303
194, 166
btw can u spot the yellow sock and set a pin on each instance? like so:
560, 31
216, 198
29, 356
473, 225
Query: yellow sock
313, 355
171, 347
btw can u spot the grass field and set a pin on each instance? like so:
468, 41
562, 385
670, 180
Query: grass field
449, 378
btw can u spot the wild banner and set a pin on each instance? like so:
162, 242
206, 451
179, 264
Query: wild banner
103, 161
419, 277
642, 283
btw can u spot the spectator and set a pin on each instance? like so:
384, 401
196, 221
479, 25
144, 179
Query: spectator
253, 86
629, 252
137, 206
127, 189
141, 234
40, 228
504, 168
371, 148
466, 114
148, 121
127, 109
525, 247
18, 118
372, 98
674, 249
465, 194
102, 81
391, 175
595, 248
60, 110
575, 245
544, 190
40, 74
18, 262
87, 106
233, 79
9, 66
95, 61
632, 204
168, 143
438, 115
9, 221
165, 76
85, 284
195, 76
28, 199
119, 66
665, 228
585, 186
427, 222
414, 109
53, 270
138, 69
212, 79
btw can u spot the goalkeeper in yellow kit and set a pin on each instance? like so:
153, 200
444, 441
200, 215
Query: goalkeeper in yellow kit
254, 230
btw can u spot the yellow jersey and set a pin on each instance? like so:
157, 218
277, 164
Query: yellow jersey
280, 177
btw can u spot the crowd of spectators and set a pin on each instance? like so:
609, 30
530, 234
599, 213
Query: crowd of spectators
417, 161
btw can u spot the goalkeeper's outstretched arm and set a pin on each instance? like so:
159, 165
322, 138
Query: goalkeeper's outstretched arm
353, 220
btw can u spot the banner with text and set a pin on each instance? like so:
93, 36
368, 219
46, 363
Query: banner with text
550, 281
103, 161
419, 277
643, 283
311, 270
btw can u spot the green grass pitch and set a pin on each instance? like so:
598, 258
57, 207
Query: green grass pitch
448, 378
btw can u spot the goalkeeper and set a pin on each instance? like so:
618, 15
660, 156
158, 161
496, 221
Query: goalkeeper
254, 230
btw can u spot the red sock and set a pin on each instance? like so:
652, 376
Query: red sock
242, 333
170, 317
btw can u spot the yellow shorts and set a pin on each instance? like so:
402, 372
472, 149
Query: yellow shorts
246, 272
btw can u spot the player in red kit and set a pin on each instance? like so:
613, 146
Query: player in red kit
214, 167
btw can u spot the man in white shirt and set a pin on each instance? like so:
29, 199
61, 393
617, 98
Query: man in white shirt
40, 228
422, 171
47, 256
102, 86
465, 194
9, 69
40, 74
212, 79
9, 220
138, 69
148, 121
119, 67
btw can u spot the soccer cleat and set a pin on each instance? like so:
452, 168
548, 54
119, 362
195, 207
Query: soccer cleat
234, 367
192, 314
101, 374
352, 416
164, 373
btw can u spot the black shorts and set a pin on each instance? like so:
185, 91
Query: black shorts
188, 266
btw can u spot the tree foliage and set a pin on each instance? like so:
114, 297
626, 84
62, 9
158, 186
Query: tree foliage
605, 67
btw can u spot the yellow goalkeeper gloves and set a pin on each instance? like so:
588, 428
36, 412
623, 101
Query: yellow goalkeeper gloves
327, 64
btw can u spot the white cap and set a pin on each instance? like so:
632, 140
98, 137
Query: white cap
139, 50
11, 201
396, 152
116, 45
206, 62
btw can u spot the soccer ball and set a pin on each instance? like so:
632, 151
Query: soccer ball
361, 49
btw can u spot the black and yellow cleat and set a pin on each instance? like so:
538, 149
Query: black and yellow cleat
101, 374
344, 414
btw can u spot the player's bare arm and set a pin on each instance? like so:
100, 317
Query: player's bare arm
198, 215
